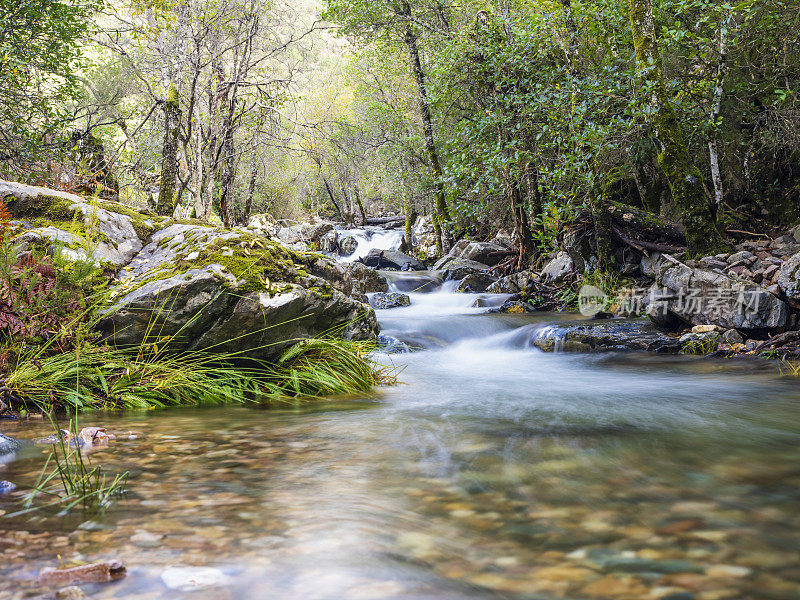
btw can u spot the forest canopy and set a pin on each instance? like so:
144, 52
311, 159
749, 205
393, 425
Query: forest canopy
484, 115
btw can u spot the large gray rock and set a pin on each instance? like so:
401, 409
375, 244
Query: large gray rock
263, 224
386, 300
580, 247
703, 297
304, 234
513, 284
487, 253
475, 283
653, 265
789, 279
366, 280
348, 245
459, 268
558, 269
392, 259
204, 288
110, 233
8, 445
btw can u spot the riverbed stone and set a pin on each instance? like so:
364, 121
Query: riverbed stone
187, 579
366, 280
513, 284
486, 253
387, 300
348, 245
605, 336
392, 259
475, 283
458, 268
8, 445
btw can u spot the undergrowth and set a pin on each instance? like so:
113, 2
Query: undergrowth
95, 378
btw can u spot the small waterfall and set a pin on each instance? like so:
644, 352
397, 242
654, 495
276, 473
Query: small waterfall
554, 334
368, 239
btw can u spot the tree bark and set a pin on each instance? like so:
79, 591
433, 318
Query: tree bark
716, 111
602, 230
169, 155
683, 177
333, 198
522, 230
227, 176
361, 210
251, 187
534, 201
442, 211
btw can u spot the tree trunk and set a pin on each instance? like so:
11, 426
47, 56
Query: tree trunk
534, 200
716, 111
169, 155
251, 188
411, 218
683, 177
442, 211
361, 210
333, 198
602, 229
227, 176
522, 230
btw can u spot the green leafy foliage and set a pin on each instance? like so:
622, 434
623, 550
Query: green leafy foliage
41, 51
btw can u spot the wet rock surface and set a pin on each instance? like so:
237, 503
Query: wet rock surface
392, 259
618, 335
8, 445
386, 300
458, 268
487, 253
367, 280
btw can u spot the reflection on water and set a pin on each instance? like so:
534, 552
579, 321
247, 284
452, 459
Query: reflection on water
494, 470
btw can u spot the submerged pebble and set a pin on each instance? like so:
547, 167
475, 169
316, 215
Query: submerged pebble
187, 579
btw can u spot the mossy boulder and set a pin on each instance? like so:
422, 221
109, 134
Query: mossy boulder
458, 268
366, 280
109, 233
189, 286
194, 287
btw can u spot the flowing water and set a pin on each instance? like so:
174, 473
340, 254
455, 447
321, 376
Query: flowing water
493, 471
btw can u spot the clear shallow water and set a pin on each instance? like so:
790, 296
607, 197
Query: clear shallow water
493, 471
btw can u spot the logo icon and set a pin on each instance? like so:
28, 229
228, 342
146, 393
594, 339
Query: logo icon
591, 300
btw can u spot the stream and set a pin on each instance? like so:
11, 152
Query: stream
494, 470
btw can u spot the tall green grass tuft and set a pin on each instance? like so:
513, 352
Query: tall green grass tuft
94, 378
68, 479
315, 368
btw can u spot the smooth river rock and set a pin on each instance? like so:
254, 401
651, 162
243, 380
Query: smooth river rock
606, 336
8, 445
